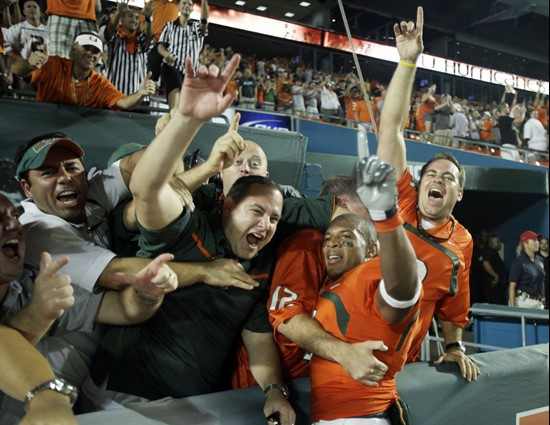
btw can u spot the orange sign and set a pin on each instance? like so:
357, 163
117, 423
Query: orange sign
533, 417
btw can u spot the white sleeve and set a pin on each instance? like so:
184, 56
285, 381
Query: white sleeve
86, 259
11, 37
107, 187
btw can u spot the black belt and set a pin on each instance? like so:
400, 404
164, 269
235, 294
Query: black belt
382, 415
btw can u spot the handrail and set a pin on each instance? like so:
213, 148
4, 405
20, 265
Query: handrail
535, 314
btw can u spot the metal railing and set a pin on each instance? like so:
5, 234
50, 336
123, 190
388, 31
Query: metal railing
425, 351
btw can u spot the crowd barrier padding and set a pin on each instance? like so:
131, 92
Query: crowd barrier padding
511, 381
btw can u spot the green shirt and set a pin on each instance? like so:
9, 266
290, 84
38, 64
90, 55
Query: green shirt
182, 350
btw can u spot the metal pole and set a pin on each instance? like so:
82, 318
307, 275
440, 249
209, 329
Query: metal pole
358, 66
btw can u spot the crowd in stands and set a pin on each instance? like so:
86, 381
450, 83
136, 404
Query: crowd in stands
142, 282
136, 42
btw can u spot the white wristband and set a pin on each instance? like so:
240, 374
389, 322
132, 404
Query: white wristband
392, 302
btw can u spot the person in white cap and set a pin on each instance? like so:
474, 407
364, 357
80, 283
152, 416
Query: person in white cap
74, 81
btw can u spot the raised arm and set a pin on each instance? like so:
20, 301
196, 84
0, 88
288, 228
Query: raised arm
157, 204
204, 15
391, 144
400, 287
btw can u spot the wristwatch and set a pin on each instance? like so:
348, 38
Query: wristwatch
457, 345
281, 387
57, 385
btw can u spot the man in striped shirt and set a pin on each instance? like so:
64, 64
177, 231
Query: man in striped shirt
128, 44
179, 39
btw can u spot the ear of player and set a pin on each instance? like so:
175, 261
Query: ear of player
376, 186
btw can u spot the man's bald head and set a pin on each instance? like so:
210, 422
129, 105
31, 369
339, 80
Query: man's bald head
251, 162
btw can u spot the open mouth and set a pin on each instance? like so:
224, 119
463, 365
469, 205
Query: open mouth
67, 196
254, 239
435, 194
332, 259
11, 248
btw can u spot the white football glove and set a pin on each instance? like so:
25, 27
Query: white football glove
376, 186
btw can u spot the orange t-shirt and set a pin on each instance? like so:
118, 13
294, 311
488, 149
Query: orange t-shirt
346, 308
358, 109
446, 273
231, 87
55, 86
79, 9
543, 116
421, 110
164, 11
486, 132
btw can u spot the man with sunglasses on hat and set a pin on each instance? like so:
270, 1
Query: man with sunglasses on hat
442, 244
74, 81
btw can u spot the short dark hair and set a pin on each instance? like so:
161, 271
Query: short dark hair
338, 186
449, 157
363, 225
242, 187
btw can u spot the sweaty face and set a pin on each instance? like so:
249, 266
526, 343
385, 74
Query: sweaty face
343, 249
60, 186
251, 162
12, 242
86, 57
251, 224
439, 191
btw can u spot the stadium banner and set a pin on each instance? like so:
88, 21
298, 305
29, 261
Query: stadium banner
264, 120
437, 64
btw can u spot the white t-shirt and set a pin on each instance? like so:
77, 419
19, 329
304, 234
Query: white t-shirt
535, 132
298, 96
25, 38
86, 245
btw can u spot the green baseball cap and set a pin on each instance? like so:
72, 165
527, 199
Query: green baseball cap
123, 151
35, 155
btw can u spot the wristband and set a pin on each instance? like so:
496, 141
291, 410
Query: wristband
392, 302
388, 225
407, 65
204, 21
147, 18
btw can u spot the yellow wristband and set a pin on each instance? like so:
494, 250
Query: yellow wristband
407, 64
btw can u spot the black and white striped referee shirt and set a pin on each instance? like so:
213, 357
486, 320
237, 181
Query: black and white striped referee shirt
125, 70
183, 41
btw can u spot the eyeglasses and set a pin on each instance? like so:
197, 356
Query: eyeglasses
424, 233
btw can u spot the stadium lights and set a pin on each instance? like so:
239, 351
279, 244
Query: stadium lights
289, 15
262, 8
240, 3
305, 4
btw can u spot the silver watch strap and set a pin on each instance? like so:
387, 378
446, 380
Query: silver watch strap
57, 385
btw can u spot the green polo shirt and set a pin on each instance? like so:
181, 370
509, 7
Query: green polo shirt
181, 351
